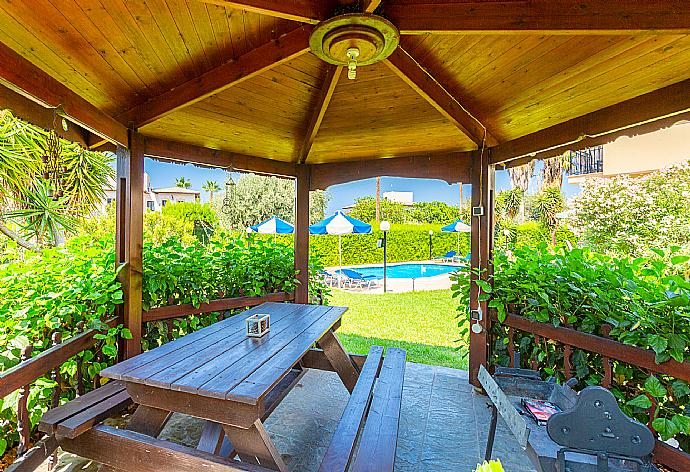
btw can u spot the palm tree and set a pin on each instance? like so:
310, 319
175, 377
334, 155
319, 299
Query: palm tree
519, 179
183, 182
378, 199
552, 172
211, 187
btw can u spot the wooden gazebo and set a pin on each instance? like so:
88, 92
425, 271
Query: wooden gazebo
234, 84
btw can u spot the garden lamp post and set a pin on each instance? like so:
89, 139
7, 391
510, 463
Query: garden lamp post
431, 233
385, 226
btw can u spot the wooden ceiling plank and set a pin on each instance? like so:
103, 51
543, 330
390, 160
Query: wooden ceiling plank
221, 78
670, 101
26, 79
42, 44
181, 152
148, 68
452, 167
330, 82
134, 21
259, 147
304, 11
95, 37
600, 81
409, 70
184, 45
597, 65
541, 17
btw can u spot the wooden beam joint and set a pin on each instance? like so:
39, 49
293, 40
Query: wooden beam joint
422, 82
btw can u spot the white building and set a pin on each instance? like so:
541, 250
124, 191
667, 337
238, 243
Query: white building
634, 156
154, 198
406, 198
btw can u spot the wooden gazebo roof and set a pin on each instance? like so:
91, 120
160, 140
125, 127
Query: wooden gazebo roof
238, 77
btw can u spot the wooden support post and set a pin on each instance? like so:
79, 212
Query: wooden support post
129, 237
302, 233
481, 247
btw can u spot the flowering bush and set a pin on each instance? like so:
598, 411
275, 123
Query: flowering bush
630, 216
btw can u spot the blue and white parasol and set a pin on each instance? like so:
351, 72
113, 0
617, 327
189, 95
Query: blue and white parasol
457, 227
340, 223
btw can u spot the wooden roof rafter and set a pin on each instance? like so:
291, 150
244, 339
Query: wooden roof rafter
251, 64
333, 73
330, 82
417, 77
304, 11
24, 78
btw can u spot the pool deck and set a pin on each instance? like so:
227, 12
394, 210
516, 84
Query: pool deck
437, 282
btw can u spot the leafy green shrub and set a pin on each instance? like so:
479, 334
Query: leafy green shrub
227, 267
643, 302
529, 234
59, 288
53, 292
186, 221
393, 212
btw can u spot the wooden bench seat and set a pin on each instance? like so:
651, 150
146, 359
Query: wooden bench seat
372, 415
73, 418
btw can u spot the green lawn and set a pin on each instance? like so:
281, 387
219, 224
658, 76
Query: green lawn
423, 323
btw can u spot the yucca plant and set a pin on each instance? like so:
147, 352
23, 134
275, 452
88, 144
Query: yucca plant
25, 194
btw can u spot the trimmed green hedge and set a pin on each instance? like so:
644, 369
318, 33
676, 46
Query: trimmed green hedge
410, 242
405, 243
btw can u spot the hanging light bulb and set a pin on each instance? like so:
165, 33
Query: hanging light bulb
352, 55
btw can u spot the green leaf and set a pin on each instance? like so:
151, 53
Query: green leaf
658, 252
654, 387
682, 423
126, 333
665, 427
641, 401
677, 260
658, 343
109, 350
484, 285
3, 446
680, 388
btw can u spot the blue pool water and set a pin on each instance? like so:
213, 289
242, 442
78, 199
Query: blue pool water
408, 271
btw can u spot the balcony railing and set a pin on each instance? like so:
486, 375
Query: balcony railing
587, 161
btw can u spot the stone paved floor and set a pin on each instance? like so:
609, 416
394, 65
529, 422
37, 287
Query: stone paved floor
443, 424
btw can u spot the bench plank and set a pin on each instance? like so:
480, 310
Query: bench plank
129, 450
376, 452
342, 445
85, 420
51, 418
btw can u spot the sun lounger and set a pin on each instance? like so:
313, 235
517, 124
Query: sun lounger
448, 257
357, 278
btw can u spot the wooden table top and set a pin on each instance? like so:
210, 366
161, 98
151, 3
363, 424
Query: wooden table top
220, 361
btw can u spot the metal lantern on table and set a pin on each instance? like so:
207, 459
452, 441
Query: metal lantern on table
258, 325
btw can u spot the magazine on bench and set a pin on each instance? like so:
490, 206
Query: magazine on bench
539, 410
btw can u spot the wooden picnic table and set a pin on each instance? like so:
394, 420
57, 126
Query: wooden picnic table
231, 380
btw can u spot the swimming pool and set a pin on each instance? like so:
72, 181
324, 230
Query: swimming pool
408, 271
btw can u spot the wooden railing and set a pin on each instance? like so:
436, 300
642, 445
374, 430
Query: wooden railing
608, 349
48, 363
223, 304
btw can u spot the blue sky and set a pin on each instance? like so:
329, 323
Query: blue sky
164, 174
